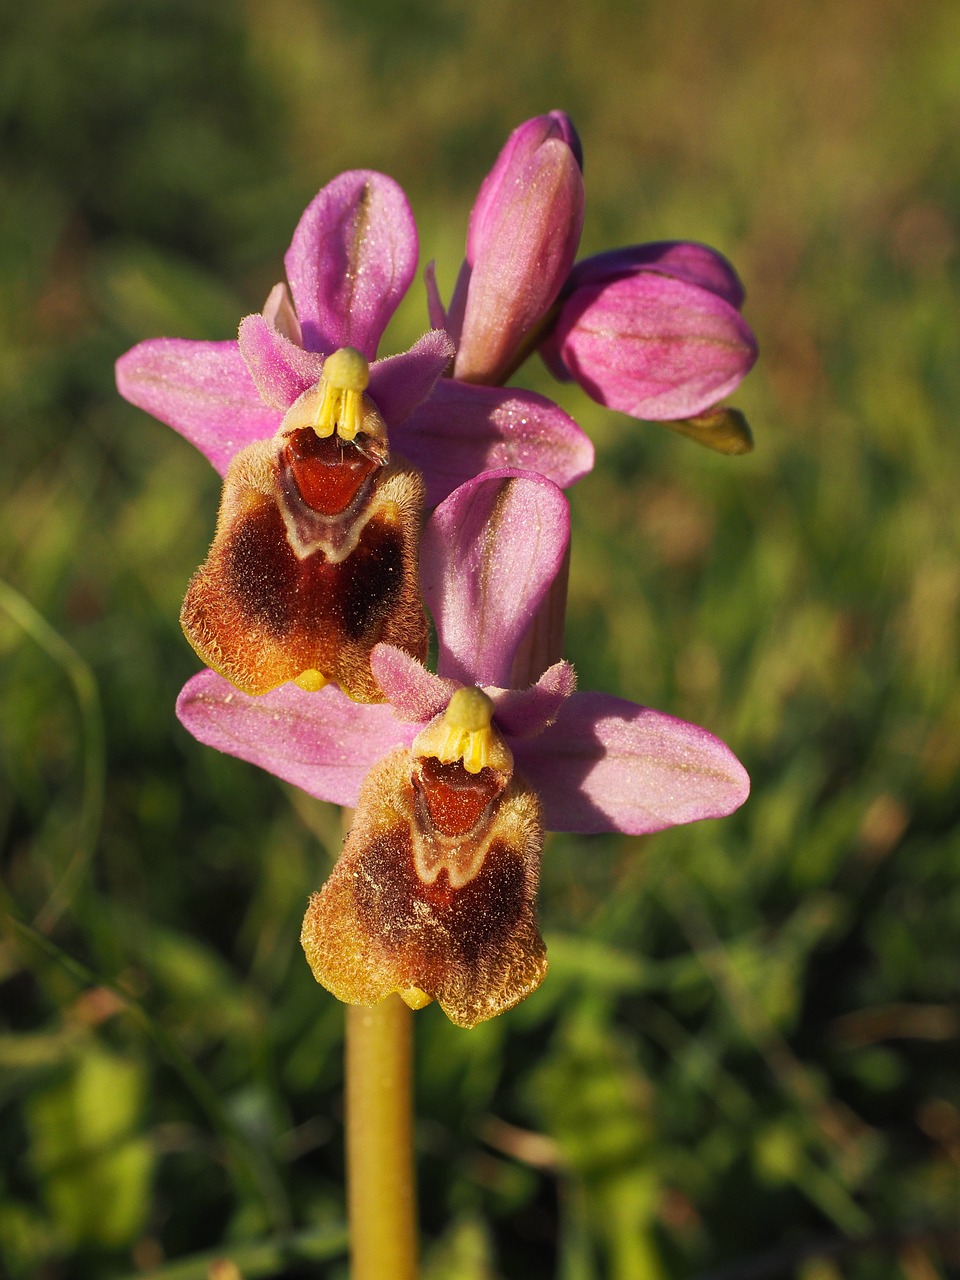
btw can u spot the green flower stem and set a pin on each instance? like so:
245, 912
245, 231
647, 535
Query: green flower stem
380, 1169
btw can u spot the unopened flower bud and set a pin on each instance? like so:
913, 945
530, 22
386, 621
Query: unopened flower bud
522, 240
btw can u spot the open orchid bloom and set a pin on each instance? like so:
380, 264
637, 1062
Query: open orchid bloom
351, 260
653, 330
315, 557
433, 895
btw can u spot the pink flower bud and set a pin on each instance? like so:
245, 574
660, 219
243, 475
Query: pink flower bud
661, 341
522, 240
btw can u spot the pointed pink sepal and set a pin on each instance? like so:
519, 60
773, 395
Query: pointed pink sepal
609, 765
321, 742
201, 389
463, 431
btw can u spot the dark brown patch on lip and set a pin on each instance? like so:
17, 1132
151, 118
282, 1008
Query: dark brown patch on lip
261, 569
458, 926
285, 593
368, 582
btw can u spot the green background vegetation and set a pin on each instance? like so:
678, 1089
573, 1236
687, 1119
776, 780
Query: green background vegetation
744, 1062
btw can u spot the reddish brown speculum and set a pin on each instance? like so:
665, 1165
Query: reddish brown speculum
328, 473
455, 800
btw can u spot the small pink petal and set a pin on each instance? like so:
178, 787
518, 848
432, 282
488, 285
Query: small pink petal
399, 383
464, 430
683, 259
279, 314
523, 713
488, 556
281, 370
201, 389
653, 346
321, 742
458, 302
352, 258
415, 693
435, 308
610, 765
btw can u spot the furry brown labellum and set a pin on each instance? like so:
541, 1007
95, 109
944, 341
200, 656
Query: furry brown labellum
315, 556
434, 893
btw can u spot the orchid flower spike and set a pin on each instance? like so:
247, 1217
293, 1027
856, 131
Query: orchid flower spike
457, 776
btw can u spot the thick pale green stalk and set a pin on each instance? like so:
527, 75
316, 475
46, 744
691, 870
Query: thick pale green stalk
380, 1169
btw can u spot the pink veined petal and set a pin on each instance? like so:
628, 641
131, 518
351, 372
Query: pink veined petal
523, 713
321, 742
400, 382
201, 389
415, 693
351, 260
281, 370
653, 346
488, 556
279, 314
464, 430
611, 765
683, 259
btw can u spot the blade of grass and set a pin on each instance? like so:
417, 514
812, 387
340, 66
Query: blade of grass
84, 683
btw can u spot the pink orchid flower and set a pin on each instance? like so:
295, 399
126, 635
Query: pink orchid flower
351, 260
653, 330
490, 552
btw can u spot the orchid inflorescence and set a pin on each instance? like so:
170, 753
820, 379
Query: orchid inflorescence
309, 609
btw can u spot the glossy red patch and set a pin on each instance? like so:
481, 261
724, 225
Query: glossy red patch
328, 473
454, 798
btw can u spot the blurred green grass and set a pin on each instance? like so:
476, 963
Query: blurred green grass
744, 1061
